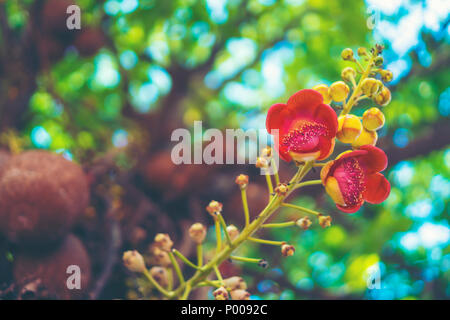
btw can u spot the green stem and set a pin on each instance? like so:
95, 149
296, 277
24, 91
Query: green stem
218, 235
176, 267
279, 225
200, 255
356, 92
275, 169
187, 290
308, 183
224, 227
245, 259
208, 283
265, 214
306, 210
184, 259
218, 274
264, 241
245, 206
269, 185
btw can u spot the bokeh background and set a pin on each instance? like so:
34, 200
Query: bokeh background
110, 95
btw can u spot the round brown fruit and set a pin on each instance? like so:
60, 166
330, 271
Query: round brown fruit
41, 196
48, 276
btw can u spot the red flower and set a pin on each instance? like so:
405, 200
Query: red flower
306, 125
354, 178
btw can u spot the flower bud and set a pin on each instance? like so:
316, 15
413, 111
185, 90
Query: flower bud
234, 283
220, 294
303, 223
386, 75
324, 91
339, 91
384, 97
378, 61
287, 250
240, 295
347, 54
366, 137
349, 128
133, 261
242, 181
197, 232
324, 221
281, 189
160, 275
214, 207
370, 86
266, 152
373, 119
160, 257
232, 231
163, 241
261, 162
348, 74
362, 52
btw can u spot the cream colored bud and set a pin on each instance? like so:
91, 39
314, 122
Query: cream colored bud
197, 232
133, 261
234, 283
240, 295
233, 232
220, 294
160, 275
242, 181
214, 207
163, 241
160, 257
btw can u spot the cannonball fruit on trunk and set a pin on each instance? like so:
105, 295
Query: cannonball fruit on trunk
41, 196
53, 274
